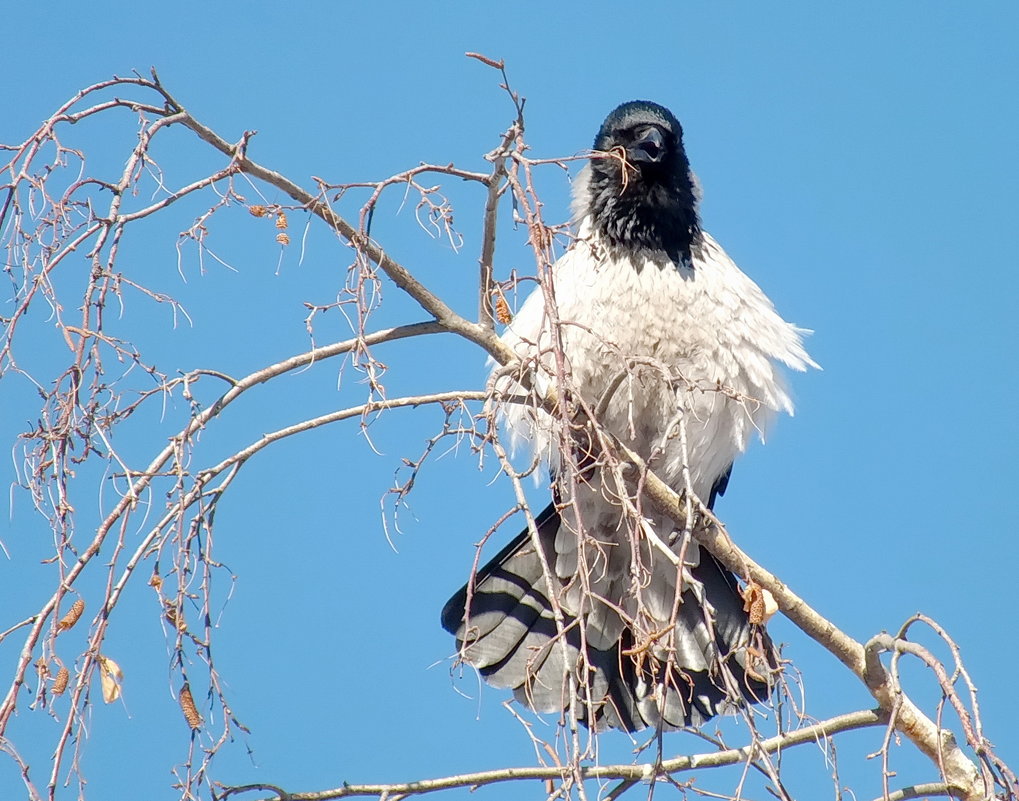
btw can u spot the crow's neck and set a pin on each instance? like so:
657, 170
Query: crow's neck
659, 215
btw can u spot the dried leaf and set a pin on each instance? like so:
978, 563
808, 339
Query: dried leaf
757, 666
156, 581
770, 605
187, 706
72, 616
111, 677
175, 617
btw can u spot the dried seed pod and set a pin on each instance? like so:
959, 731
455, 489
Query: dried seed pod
283, 238
281, 221
502, 311
187, 706
258, 211
72, 615
156, 581
60, 682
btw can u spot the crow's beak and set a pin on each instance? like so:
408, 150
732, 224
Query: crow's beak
648, 148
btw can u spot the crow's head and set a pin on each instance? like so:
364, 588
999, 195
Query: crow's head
641, 195
644, 135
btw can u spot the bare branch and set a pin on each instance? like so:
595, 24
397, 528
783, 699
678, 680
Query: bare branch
641, 772
918, 791
49, 225
937, 744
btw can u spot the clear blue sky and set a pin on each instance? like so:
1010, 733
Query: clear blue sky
858, 161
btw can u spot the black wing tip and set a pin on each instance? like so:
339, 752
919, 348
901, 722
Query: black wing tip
452, 614
719, 487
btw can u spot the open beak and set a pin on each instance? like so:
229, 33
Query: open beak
649, 147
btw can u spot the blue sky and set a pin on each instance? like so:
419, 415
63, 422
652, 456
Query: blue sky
857, 161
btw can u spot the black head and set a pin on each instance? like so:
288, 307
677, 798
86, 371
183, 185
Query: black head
641, 194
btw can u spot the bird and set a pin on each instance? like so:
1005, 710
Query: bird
604, 608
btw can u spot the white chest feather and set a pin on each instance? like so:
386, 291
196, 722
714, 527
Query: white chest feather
681, 362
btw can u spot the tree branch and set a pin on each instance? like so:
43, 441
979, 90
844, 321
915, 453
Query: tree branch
640, 772
400, 275
918, 791
937, 744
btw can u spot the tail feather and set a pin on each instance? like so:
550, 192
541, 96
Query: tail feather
504, 625
513, 577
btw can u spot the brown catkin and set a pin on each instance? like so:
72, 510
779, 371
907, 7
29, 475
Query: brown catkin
258, 211
283, 238
72, 615
757, 610
60, 682
187, 705
281, 221
502, 312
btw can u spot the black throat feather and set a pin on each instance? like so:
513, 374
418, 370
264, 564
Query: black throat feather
648, 210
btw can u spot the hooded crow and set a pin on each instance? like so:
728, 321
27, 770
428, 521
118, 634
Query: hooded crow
607, 609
